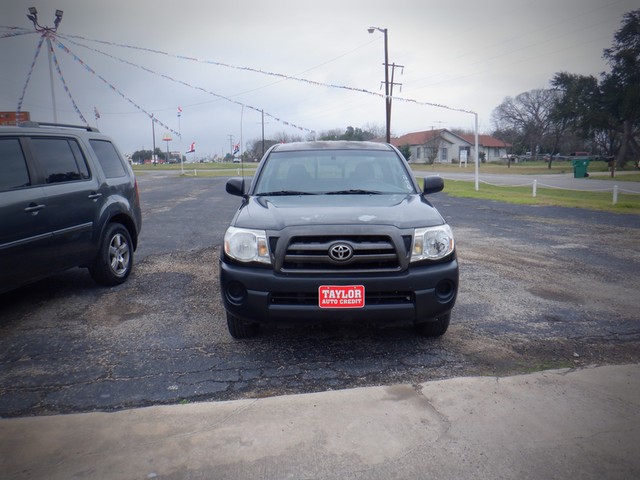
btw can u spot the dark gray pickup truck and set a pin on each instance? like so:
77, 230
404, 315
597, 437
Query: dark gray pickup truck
337, 231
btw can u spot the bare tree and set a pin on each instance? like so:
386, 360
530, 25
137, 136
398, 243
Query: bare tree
432, 148
530, 114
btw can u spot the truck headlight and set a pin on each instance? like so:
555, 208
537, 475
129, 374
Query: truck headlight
247, 245
432, 243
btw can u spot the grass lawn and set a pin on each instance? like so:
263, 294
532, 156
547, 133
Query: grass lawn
627, 203
202, 169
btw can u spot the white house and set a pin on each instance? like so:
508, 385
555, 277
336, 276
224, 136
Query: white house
444, 146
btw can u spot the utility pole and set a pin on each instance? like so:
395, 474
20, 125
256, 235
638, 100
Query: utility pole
388, 84
392, 83
231, 145
153, 132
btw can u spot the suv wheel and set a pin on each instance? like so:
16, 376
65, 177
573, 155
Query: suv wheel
434, 329
115, 258
238, 329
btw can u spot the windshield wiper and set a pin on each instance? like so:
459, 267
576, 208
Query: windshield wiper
354, 191
283, 193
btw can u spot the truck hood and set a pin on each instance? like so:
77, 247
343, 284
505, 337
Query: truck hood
278, 212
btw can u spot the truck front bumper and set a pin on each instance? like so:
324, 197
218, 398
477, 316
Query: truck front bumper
258, 295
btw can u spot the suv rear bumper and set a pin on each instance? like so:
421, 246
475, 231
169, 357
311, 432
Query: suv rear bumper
258, 295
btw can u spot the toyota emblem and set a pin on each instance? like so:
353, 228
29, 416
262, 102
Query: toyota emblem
340, 252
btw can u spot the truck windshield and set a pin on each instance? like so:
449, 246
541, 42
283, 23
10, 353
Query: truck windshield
334, 172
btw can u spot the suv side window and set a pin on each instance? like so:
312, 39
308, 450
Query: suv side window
13, 168
108, 158
61, 159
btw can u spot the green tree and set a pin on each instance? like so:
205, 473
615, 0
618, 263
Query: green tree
350, 133
607, 112
405, 150
140, 156
621, 86
583, 109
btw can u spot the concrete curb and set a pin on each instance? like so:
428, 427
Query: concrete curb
555, 424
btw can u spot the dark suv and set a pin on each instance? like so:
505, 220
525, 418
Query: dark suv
67, 199
337, 231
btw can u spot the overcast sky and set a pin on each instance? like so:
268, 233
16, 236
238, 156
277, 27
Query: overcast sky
462, 54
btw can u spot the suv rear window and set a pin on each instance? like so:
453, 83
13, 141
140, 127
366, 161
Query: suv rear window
13, 169
108, 158
61, 159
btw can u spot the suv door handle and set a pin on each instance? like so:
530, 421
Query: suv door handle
33, 208
94, 196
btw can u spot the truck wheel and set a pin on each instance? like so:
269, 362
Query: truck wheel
114, 261
239, 329
434, 329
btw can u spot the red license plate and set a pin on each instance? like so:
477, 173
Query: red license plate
341, 296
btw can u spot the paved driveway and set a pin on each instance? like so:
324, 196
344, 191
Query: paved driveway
541, 287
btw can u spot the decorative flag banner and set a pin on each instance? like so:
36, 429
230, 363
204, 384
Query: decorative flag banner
64, 83
279, 120
236, 148
16, 34
192, 148
112, 87
179, 111
273, 74
96, 112
26, 84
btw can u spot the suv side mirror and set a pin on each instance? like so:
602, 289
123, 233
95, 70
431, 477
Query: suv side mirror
433, 184
235, 186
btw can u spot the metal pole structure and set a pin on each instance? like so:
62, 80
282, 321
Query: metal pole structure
386, 86
48, 33
153, 131
180, 146
240, 150
241, 117
475, 115
262, 134
53, 94
387, 98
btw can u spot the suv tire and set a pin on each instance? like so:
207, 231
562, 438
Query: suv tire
113, 264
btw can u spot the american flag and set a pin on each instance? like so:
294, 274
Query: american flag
192, 148
179, 111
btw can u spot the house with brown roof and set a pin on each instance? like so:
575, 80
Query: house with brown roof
444, 146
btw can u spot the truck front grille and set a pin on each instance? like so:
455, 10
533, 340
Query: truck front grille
370, 254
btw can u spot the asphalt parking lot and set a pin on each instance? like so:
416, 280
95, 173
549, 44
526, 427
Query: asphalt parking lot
541, 287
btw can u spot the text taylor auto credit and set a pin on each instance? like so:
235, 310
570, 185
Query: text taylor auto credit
338, 296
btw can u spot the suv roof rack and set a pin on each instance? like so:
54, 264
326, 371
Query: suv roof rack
61, 125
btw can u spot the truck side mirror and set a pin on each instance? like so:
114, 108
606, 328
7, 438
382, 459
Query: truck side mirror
432, 184
235, 186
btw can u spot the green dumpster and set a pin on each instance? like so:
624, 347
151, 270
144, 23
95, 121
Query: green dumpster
580, 167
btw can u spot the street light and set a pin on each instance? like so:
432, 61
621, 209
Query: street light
58, 19
387, 98
33, 16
